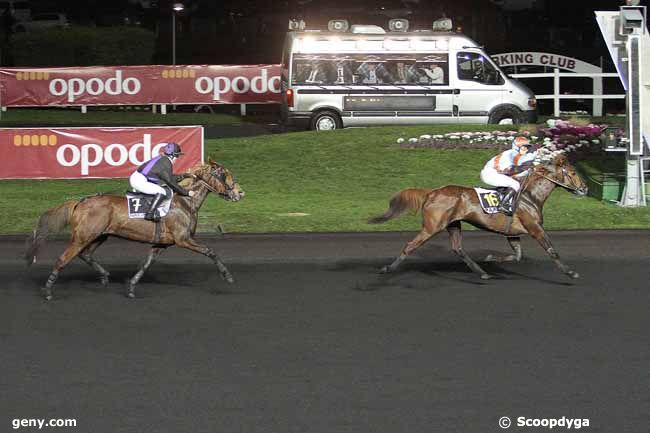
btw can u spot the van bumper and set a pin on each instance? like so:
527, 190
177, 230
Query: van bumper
298, 119
529, 116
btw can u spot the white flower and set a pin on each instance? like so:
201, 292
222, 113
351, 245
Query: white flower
413, 140
550, 123
502, 138
467, 136
400, 140
454, 137
425, 137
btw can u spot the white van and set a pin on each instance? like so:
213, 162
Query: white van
367, 76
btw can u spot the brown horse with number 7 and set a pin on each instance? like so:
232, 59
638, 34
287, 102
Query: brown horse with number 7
447, 206
93, 219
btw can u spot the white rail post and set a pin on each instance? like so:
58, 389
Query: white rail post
556, 92
242, 109
597, 89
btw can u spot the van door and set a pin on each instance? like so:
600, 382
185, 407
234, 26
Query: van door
479, 87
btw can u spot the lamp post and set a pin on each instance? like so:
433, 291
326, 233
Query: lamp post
176, 8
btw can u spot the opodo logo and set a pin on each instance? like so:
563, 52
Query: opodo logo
116, 154
75, 87
222, 85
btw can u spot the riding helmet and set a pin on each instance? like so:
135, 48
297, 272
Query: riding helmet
172, 149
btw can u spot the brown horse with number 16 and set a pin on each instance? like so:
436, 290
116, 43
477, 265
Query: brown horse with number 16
445, 208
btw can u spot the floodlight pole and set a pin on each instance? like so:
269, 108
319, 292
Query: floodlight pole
173, 37
177, 7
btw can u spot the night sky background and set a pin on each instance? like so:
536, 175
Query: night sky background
252, 31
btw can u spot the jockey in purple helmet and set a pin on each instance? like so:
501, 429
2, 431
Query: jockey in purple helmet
149, 175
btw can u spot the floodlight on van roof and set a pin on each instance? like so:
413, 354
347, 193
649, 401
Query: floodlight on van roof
338, 25
362, 28
398, 25
443, 25
296, 24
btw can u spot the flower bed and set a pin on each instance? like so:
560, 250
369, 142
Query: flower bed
553, 137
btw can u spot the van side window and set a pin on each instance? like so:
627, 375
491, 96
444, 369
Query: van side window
475, 67
371, 69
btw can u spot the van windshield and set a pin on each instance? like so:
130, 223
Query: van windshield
375, 69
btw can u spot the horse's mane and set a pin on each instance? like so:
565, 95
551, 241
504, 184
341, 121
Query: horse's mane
197, 169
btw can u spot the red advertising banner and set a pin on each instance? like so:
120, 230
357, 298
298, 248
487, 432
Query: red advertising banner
77, 153
140, 85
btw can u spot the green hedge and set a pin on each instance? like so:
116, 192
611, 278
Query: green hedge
83, 46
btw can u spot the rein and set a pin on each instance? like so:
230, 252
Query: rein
207, 185
570, 188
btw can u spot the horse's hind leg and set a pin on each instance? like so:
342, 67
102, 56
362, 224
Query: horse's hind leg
73, 249
430, 227
515, 244
538, 233
154, 252
87, 257
456, 240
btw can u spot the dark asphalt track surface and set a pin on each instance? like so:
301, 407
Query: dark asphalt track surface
310, 339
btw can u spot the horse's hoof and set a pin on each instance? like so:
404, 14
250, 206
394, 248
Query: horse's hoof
48, 297
573, 274
385, 270
227, 277
489, 258
130, 292
104, 281
485, 277
47, 294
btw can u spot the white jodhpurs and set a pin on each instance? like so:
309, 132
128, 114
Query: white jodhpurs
140, 183
492, 177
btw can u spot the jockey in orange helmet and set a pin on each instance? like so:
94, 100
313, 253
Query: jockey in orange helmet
503, 169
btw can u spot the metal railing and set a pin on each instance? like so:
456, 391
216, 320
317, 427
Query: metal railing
597, 96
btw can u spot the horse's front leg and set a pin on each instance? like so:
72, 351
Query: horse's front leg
154, 253
515, 244
193, 245
538, 233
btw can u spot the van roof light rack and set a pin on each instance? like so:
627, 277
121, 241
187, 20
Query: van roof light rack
364, 28
338, 25
443, 25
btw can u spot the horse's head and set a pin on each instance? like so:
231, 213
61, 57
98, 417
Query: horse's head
560, 171
220, 180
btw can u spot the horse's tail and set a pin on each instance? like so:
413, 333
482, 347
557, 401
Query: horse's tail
407, 199
53, 220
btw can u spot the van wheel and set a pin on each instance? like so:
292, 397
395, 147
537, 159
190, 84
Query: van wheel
326, 121
505, 116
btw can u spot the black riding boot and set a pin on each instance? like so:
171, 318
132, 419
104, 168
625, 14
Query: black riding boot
506, 202
152, 215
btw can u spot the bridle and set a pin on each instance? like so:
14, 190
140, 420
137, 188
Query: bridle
220, 174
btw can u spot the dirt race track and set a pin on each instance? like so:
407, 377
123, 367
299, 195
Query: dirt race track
311, 339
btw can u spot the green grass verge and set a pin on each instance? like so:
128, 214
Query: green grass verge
322, 182
26, 117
